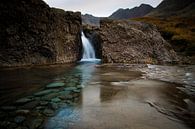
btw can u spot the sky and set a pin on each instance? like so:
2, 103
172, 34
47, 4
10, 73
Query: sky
100, 8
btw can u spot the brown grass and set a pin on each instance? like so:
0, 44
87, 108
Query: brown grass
180, 32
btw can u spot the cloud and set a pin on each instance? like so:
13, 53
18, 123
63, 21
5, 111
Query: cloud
98, 7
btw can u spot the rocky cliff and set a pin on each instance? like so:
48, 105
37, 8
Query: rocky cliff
133, 42
33, 33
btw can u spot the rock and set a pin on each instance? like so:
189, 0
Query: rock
8, 108
22, 112
55, 100
31, 105
32, 33
55, 85
48, 112
133, 42
70, 88
23, 101
19, 119
44, 92
43, 103
53, 106
36, 123
77, 91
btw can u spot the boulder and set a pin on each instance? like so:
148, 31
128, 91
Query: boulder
128, 41
32, 33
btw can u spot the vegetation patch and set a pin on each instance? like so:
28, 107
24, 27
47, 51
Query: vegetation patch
180, 32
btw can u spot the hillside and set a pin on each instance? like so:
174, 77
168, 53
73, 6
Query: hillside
91, 20
135, 12
181, 8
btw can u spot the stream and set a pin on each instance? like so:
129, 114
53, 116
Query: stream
93, 96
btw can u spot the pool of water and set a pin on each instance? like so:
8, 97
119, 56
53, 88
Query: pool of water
91, 96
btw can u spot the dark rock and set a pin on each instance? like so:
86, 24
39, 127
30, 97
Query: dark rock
31, 105
55, 85
19, 119
143, 43
32, 33
53, 106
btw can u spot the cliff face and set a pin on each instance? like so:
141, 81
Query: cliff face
33, 33
134, 42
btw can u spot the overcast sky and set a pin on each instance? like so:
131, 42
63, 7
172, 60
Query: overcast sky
98, 7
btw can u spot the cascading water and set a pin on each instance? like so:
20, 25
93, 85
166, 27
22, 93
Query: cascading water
88, 50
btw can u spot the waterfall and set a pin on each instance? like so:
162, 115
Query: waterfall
88, 50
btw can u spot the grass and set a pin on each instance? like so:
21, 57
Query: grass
180, 32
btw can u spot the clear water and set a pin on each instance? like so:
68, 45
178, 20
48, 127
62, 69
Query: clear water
111, 97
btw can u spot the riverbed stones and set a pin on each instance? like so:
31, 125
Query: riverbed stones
55, 85
31, 105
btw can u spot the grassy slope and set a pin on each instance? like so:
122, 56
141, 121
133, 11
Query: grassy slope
180, 32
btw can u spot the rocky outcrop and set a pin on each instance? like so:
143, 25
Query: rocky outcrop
134, 42
33, 33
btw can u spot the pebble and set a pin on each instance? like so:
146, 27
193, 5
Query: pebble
23, 112
44, 92
55, 85
56, 100
23, 100
70, 88
48, 112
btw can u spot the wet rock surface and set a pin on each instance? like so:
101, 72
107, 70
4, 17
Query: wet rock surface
32, 33
143, 43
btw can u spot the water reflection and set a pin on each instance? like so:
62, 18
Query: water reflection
119, 99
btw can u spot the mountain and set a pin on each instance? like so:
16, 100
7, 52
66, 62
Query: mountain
135, 12
91, 20
182, 8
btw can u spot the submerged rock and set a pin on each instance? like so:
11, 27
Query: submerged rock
44, 92
55, 85
48, 112
23, 101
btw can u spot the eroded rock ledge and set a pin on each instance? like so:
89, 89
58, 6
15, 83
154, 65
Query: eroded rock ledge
33, 33
134, 42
